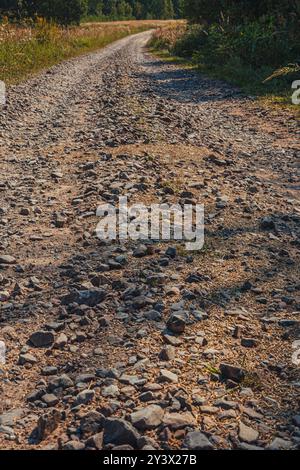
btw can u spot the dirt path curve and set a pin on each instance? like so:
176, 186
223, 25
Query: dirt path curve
105, 372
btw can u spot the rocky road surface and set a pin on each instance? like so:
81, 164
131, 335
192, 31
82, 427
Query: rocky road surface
144, 344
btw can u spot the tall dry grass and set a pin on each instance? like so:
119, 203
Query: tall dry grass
166, 36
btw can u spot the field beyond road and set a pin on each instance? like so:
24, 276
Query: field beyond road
25, 50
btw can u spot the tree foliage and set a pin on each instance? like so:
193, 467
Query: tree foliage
239, 11
71, 11
196, 11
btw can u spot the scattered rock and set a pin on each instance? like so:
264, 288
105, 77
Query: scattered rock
27, 359
280, 444
9, 418
50, 399
7, 259
73, 445
177, 322
167, 353
167, 376
41, 339
179, 420
91, 297
92, 423
61, 341
247, 434
249, 342
147, 418
117, 431
196, 440
47, 424
84, 397
230, 372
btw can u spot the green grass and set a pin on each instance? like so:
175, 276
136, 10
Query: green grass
252, 82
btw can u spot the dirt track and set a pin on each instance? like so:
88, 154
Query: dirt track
121, 122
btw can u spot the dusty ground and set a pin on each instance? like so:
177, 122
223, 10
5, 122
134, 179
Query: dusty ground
121, 122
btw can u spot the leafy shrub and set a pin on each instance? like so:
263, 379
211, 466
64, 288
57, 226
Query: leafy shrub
257, 43
262, 56
190, 42
260, 43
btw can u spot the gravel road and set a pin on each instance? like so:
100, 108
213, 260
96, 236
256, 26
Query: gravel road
144, 344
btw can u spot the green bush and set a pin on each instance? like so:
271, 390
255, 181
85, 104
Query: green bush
194, 39
261, 43
257, 44
261, 56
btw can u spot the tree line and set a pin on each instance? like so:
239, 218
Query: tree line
239, 11
196, 11
72, 11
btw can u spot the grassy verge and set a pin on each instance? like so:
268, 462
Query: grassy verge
171, 45
25, 50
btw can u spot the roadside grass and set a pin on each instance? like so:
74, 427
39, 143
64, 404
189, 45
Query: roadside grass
253, 82
27, 49
272, 90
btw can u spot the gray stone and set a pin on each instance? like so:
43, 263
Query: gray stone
84, 397
60, 341
7, 259
110, 391
132, 380
170, 339
84, 378
167, 376
245, 446
248, 342
140, 251
280, 444
179, 420
226, 404
196, 440
167, 353
6, 430
41, 339
247, 434
177, 322
47, 424
231, 372
9, 418
27, 358
227, 414
118, 431
171, 252
153, 315
49, 370
92, 422
95, 441
296, 420
90, 297
50, 399
146, 418
62, 381
73, 445
209, 410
